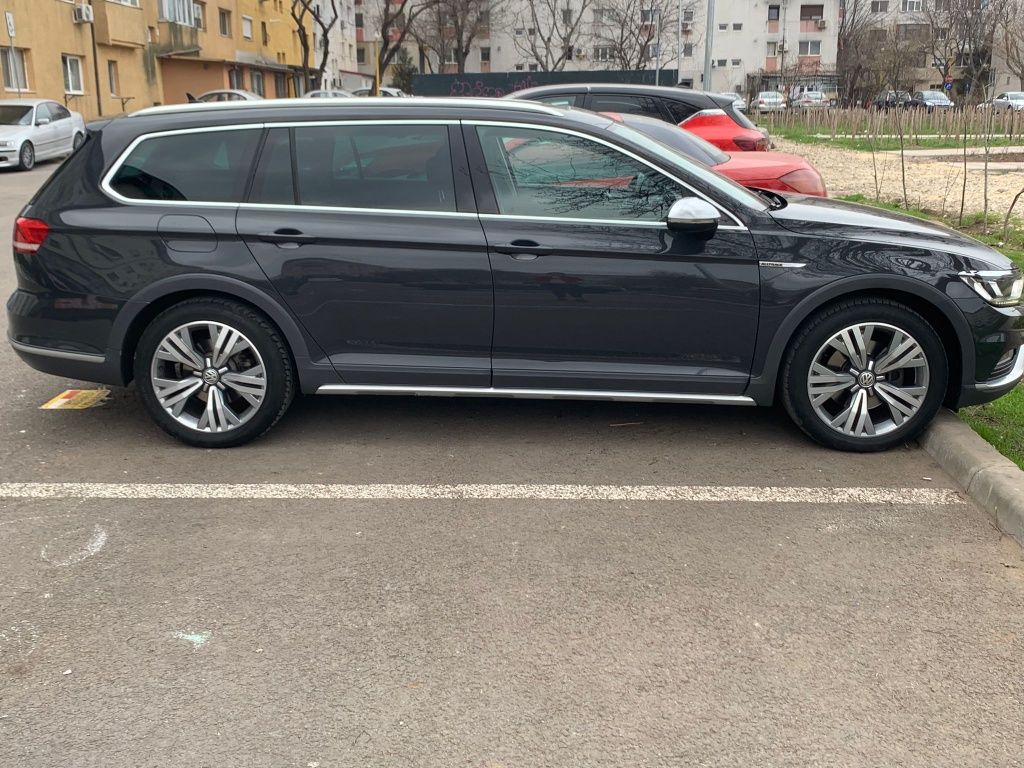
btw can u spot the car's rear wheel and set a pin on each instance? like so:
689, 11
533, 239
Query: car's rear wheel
865, 375
213, 372
27, 156
77, 142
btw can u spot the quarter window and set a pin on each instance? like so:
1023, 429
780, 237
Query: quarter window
407, 167
202, 166
542, 173
630, 105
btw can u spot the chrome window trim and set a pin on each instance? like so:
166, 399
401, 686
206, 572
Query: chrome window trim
738, 225
109, 191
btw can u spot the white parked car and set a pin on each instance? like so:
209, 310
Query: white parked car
810, 100
768, 101
332, 93
37, 129
384, 91
1011, 100
228, 94
738, 102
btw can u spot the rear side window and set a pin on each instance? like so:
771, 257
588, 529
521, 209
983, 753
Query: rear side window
679, 110
626, 105
405, 167
201, 166
564, 100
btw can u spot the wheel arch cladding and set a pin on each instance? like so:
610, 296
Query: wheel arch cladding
140, 311
938, 309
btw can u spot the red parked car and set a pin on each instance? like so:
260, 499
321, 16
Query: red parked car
711, 116
762, 170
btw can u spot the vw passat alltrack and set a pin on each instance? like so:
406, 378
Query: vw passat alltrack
228, 256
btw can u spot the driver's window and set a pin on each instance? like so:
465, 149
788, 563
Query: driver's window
543, 173
1002, 96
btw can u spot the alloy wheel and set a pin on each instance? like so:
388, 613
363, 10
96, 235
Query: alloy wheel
868, 380
28, 157
208, 376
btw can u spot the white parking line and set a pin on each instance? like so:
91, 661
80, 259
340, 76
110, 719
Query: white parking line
693, 493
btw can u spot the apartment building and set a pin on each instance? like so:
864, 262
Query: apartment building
96, 59
342, 69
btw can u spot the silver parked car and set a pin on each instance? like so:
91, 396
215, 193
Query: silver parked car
810, 100
37, 129
768, 101
328, 93
228, 94
738, 102
384, 91
1010, 100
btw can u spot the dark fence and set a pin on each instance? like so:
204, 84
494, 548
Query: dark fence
496, 84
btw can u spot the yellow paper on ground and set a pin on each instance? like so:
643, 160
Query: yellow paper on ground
76, 400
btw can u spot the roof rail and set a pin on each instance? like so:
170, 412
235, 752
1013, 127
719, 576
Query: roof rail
300, 103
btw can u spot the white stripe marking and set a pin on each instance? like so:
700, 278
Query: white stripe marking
694, 493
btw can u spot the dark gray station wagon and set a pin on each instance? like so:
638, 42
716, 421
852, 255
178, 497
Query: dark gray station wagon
227, 256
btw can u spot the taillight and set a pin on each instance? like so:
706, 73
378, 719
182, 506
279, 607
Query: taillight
806, 181
29, 234
750, 144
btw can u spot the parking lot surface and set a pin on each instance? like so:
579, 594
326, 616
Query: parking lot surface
435, 582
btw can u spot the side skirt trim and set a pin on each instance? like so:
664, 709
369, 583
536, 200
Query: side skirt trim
537, 394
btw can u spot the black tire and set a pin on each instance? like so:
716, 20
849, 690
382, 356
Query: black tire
264, 337
27, 156
809, 342
77, 142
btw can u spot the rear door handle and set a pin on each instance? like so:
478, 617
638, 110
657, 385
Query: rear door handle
524, 249
286, 237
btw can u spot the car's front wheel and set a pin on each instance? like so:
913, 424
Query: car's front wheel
865, 375
27, 156
213, 372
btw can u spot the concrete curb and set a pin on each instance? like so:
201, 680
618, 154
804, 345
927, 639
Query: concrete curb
994, 482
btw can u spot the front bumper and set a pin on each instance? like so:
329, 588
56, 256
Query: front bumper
993, 389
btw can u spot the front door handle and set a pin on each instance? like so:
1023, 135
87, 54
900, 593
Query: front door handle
524, 250
286, 238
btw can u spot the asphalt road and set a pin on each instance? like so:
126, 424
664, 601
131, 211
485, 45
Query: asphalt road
606, 627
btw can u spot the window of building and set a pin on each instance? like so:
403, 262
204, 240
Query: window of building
360, 55
450, 57
773, 12
72, 74
280, 85
604, 16
810, 48
131, 3
375, 166
520, 67
13, 60
200, 15
811, 12
256, 78
208, 166
687, 15
264, 33
113, 78
541, 173
737, 27
359, 21
651, 51
567, 16
647, 16
485, 55
224, 22
773, 48
533, 67
910, 6
603, 53
687, 50
720, 62
723, 27
879, 6
736, 62
178, 12
236, 79
247, 27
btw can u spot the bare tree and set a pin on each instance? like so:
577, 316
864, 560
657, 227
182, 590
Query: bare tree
390, 24
855, 60
628, 32
318, 18
1010, 38
449, 28
550, 33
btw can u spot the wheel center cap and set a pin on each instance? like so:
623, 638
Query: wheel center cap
866, 379
211, 376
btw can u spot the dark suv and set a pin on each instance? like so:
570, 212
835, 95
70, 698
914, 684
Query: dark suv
226, 256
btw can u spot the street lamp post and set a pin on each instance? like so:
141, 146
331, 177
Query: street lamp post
679, 43
709, 38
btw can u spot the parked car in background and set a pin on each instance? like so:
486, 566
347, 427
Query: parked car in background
228, 94
37, 129
810, 100
384, 91
768, 101
930, 100
758, 170
491, 248
709, 115
328, 93
737, 101
891, 99
1010, 100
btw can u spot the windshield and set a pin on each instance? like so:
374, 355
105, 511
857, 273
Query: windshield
934, 95
673, 159
11, 114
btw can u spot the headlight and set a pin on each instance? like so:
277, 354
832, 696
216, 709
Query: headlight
1000, 288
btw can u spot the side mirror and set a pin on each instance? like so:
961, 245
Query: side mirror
43, 121
693, 216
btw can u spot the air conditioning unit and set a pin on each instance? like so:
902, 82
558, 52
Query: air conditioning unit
82, 14
822, 24
714, 62
580, 54
687, 26
781, 48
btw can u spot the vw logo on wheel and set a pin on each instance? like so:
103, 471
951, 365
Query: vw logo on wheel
866, 379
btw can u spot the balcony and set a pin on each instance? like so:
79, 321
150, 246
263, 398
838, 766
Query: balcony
808, 63
177, 39
119, 25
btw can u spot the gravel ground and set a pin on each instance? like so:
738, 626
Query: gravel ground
931, 184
